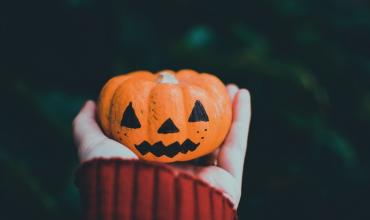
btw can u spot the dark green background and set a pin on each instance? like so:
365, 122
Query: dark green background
306, 63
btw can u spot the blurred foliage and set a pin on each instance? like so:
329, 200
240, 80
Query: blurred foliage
306, 63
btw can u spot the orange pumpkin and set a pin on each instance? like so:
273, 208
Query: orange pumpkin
166, 116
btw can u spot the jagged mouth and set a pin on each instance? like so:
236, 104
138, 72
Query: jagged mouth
159, 149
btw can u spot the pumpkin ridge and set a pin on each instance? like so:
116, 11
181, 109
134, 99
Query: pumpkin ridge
150, 102
111, 97
217, 89
104, 110
114, 115
111, 109
185, 96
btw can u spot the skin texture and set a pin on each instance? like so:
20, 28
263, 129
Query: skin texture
156, 98
222, 169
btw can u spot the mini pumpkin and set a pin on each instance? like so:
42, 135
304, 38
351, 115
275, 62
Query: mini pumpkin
167, 116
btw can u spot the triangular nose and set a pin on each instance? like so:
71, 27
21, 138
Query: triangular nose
168, 127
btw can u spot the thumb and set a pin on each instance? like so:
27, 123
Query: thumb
84, 125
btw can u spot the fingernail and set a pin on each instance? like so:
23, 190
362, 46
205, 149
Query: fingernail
244, 92
233, 85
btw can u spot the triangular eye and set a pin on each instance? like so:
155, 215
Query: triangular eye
129, 118
198, 113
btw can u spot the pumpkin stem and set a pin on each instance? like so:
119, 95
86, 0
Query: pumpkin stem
167, 77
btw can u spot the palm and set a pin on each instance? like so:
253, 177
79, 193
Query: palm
222, 169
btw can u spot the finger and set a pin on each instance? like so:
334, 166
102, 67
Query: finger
232, 89
242, 107
84, 125
232, 153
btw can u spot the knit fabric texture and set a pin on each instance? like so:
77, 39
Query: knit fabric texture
120, 189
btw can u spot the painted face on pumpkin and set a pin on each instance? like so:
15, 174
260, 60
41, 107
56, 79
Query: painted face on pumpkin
168, 116
130, 120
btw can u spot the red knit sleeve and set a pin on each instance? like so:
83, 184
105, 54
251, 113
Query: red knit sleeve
131, 189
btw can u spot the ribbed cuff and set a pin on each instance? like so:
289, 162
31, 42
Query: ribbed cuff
132, 189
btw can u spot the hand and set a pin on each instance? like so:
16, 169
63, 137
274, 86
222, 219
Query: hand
225, 167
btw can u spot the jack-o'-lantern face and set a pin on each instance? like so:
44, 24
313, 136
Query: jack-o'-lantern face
168, 127
166, 117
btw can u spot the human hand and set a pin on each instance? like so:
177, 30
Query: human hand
90, 140
225, 170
